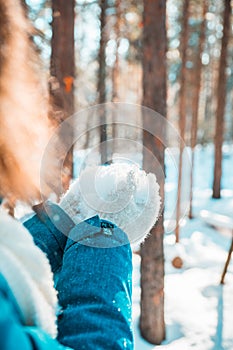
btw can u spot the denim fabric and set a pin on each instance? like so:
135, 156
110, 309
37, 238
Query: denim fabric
94, 284
50, 238
95, 232
95, 292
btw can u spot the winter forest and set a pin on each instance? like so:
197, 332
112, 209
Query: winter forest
104, 59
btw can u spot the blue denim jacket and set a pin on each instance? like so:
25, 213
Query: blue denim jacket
94, 284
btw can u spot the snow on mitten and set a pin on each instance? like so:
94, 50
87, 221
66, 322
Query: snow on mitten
121, 193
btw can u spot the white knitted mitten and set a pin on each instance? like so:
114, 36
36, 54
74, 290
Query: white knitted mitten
120, 193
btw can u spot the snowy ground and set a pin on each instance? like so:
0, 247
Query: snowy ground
198, 311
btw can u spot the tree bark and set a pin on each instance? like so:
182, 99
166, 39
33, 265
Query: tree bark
102, 81
115, 71
227, 262
182, 109
195, 100
62, 69
221, 101
152, 324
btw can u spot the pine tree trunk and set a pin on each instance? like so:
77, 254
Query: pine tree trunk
62, 71
182, 108
116, 71
195, 100
152, 324
221, 101
102, 81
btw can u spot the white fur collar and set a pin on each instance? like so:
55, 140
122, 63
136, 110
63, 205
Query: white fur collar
29, 275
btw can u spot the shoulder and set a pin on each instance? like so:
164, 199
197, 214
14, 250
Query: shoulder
7, 297
12, 330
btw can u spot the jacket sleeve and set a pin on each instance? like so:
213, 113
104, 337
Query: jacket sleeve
50, 227
95, 293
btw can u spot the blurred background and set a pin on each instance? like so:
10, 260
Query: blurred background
122, 23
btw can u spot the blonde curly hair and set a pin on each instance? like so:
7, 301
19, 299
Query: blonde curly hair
24, 128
